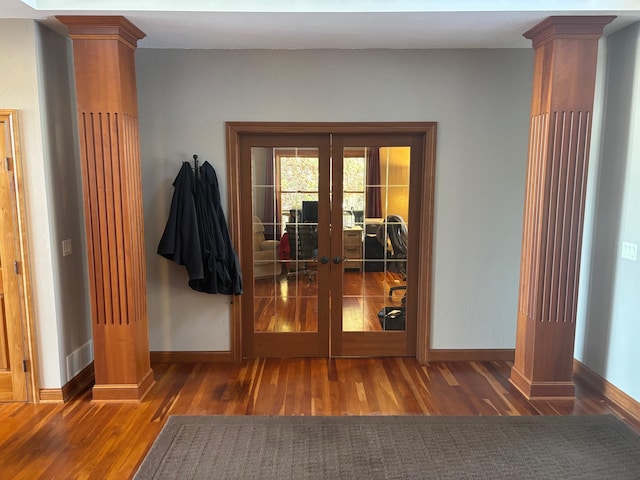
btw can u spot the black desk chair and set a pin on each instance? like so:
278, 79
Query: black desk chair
394, 229
303, 244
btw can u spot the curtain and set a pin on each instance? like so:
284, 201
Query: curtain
373, 200
271, 217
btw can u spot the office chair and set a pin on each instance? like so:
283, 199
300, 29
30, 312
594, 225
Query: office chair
397, 235
303, 244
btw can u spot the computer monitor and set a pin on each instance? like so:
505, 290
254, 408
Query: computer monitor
310, 211
358, 217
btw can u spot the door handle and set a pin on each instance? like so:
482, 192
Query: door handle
324, 260
338, 260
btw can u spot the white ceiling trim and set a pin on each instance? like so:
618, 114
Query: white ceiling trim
335, 6
328, 24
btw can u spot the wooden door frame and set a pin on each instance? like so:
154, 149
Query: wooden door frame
10, 118
234, 130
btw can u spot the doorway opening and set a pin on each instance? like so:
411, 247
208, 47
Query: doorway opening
334, 229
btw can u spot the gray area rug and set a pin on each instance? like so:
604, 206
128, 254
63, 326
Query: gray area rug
405, 447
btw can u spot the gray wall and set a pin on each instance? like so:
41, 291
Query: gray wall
480, 99
35, 82
64, 197
608, 327
19, 90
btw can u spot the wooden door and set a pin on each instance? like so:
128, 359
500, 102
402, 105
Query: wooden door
284, 192
13, 385
377, 229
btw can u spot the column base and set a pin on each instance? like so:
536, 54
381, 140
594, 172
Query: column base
123, 392
542, 390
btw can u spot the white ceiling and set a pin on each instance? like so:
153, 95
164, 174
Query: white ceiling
300, 24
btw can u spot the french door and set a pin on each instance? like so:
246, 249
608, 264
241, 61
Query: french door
286, 285
333, 230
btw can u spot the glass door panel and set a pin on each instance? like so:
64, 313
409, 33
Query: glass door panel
285, 223
375, 184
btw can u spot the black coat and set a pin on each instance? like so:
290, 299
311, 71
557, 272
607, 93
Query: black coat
215, 262
180, 241
221, 265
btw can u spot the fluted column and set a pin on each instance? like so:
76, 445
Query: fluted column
560, 132
103, 50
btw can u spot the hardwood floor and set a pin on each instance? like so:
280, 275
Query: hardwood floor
85, 439
289, 303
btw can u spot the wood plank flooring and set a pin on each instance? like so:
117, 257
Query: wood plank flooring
290, 303
84, 439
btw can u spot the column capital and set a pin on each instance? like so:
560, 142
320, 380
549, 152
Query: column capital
556, 27
114, 27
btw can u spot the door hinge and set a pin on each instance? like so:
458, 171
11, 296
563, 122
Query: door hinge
7, 163
24, 366
15, 267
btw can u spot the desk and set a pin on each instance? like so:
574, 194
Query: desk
374, 254
352, 248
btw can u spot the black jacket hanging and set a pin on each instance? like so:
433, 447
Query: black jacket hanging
180, 241
219, 267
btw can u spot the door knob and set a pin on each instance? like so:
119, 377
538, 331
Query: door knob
324, 259
338, 260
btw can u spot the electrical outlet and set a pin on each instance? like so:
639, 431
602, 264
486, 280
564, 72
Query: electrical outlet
630, 250
66, 247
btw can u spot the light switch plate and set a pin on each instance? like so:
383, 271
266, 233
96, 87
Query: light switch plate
66, 247
630, 251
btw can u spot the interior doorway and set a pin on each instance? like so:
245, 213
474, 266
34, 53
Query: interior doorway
334, 227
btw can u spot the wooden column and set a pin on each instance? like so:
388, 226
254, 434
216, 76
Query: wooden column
103, 50
560, 132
